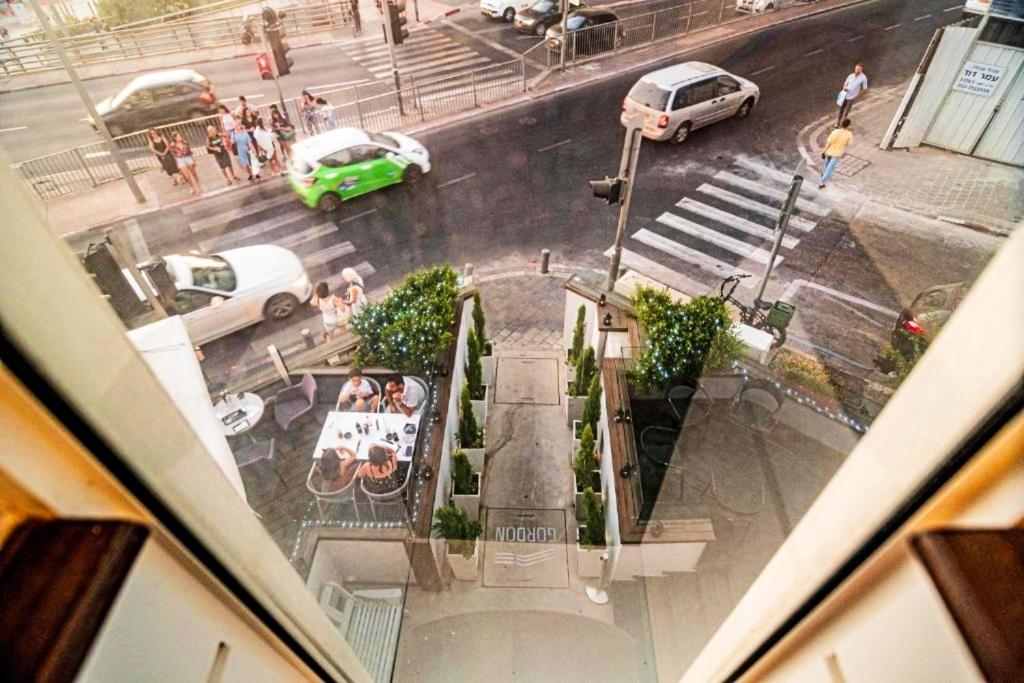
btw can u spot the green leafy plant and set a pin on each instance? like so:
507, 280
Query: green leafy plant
474, 370
407, 329
683, 340
592, 406
452, 523
898, 362
586, 368
478, 325
577, 334
592, 531
585, 462
463, 475
802, 370
470, 434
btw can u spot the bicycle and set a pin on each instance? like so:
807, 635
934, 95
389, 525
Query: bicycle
774, 321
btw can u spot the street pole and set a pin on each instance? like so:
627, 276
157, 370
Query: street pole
273, 69
101, 126
627, 170
565, 34
780, 230
391, 53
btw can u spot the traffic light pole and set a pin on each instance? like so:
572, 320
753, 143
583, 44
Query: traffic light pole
101, 126
627, 171
390, 38
273, 69
780, 231
565, 35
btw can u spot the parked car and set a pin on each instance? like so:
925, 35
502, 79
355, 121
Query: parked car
536, 20
597, 32
926, 315
217, 294
503, 9
343, 163
679, 99
754, 6
157, 99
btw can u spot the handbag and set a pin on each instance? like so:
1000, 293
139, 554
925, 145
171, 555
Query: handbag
841, 97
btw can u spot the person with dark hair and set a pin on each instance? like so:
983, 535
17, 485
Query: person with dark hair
853, 86
835, 147
264, 140
337, 466
403, 395
186, 163
332, 308
358, 394
283, 129
307, 107
216, 147
159, 146
243, 144
381, 473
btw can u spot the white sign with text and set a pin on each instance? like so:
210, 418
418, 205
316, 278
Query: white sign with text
978, 79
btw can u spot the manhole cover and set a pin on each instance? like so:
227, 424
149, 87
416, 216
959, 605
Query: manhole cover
527, 381
527, 120
525, 548
851, 165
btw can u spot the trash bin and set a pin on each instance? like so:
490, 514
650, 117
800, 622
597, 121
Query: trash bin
780, 314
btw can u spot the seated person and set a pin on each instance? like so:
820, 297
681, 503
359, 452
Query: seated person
337, 466
404, 395
357, 394
381, 473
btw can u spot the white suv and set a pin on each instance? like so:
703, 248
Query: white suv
504, 9
681, 98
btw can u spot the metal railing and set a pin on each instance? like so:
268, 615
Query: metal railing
18, 57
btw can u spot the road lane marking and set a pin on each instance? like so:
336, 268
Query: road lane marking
953, 8
853, 310
734, 221
557, 144
236, 213
457, 180
775, 174
240, 237
816, 52
93, 155
751, 205
738, 247
764, 70
923, 16
666, 276
254, 97
324, 256
889, 28
11, 130
854, 39
335, 85
486, 41
796, 285
358, 215
309, 234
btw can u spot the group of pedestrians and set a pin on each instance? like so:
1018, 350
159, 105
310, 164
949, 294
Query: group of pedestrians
338, 310
317, 114
840, 138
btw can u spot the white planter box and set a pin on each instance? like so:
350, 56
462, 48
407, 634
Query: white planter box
570, 369
580, 511
468, 502
476, 456
480, 407
588, 560
576, 426
463, 569
573, 406
490, 366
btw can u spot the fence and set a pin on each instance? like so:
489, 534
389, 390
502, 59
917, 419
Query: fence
17, 57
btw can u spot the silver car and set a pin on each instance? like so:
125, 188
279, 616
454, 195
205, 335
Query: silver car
679, 99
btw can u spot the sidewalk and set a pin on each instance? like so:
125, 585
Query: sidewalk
931, 182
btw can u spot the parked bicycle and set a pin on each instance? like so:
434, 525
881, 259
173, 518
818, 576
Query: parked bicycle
773, 321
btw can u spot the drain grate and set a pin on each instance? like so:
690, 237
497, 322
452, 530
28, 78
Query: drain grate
527, 381
851, 165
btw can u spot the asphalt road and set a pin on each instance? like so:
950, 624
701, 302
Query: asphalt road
509, 183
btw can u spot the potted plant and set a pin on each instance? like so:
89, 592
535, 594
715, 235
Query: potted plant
466, 485
585, 472
590, 543
488, 360
576, 390
590, 416
474, 378
452, 524
471, 435
573, 352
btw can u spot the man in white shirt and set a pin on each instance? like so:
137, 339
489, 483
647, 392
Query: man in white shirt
404, 395
853, 86
357, 394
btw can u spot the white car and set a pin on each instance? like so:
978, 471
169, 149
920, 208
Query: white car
218, 294
504, 9
754, 6
678, 99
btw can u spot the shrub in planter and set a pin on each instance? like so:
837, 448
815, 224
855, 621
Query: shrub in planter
465, 485
474, 371
586, 368
683, 340
470, 434
478, 326
577, 335
452, 524
584, 465
407, 329
802, 370
592, 406
897, 363
590, 536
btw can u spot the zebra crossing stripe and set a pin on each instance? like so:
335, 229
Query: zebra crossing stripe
319, 258
431, 52
449, 63
684, 253
733, 221
663, 274
775, 174
241, 212
755, 206
770, 192
718, 239
237, 237
307, 235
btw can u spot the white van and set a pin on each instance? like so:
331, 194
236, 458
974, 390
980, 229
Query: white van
504, 9
977, 6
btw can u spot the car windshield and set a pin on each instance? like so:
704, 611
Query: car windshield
546, 6
576, 22
120, 97
212, 272
649, 95
385, 140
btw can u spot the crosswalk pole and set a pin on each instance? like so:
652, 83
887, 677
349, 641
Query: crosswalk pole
780, 231
627, 169
391, 53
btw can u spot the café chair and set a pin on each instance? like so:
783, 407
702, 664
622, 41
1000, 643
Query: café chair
324, 498
389, 497
295, 401
376, 392
251, 453
383, 408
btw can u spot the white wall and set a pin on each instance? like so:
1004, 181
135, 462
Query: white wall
347, 561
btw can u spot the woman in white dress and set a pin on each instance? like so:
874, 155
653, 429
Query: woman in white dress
331, 307
354, 297
265, 145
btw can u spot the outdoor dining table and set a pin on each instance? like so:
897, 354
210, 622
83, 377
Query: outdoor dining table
359, 431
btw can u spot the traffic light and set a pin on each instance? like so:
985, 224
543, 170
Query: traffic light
609, 189
396, 21
263, 64
279, 48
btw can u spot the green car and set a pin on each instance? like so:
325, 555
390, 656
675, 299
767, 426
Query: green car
343, 163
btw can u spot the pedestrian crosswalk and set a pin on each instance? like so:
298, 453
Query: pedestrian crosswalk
425, 54
726, 228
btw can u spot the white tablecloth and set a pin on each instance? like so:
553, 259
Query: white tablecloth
376, 427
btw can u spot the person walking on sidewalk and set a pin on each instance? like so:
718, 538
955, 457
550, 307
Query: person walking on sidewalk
284, 130
216, 146
357, 23
332, 308
162, 149
186, 164
853, 86
835, 147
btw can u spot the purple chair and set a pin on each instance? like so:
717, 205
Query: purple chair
295, 401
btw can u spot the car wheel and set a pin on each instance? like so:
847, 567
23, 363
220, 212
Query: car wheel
682, 132
540, 29
280, 306
509, 15
328, 202
412, 175
744, 109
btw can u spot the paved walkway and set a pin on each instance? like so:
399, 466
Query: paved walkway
929, 181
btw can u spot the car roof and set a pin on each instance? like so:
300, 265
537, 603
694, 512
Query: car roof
165, 77
331, 141
677, 74
591, 12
